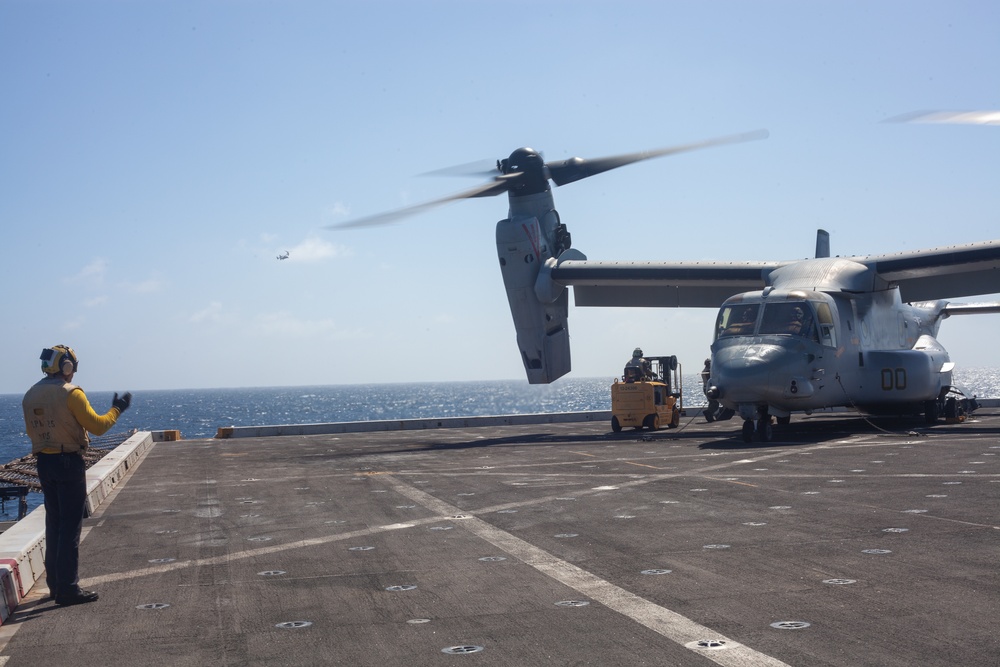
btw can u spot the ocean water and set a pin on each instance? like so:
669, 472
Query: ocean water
198, 413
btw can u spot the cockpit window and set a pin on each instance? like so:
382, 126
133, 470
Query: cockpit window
737, 320
789, 317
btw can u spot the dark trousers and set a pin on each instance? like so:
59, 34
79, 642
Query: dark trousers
64, 483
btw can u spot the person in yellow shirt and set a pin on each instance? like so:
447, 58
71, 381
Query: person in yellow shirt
58, 418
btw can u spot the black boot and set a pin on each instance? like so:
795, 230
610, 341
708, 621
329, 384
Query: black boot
79, 596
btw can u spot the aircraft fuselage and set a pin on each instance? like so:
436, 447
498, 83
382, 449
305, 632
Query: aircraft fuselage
778, 351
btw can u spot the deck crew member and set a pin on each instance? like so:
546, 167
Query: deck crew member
640, 363
58, 417
713, 405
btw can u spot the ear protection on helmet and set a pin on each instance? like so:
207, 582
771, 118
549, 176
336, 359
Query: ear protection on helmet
59, 359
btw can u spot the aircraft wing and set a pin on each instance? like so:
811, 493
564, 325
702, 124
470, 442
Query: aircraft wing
659, 284
941, 273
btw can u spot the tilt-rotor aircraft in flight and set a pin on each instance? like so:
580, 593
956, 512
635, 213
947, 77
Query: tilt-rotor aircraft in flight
790, 336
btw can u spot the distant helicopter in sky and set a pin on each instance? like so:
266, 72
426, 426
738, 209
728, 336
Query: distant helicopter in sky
790, 336
284, 255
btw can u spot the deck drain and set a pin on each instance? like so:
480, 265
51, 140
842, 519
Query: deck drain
162, 560
165, 532
271, 573
566, 498
950, 483
669, 502
840, 582
249, 516
716, 546
461, 650
465, 494
755, 523
441, 527
790, 625
937, 495
250, 479
914, 511
293, 625
405, 507
572, 603
360, 548
656, 571
707, 644
401, 587
507, 512
171, 511
335, 521
624, 516
153, 605
492, 559
248, 502
877, 552
568, 535
895, 530
810, 493
459, 516
699, 490
262, 538
418, 621
780, 507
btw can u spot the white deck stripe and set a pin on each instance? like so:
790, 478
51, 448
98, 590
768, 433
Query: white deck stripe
661, 620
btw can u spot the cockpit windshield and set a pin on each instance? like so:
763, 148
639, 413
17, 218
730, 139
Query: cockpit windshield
737, 320
794, 318
788, 317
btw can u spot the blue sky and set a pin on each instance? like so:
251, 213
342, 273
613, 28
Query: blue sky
158, 155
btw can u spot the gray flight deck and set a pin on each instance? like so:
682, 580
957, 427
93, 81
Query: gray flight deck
544, 544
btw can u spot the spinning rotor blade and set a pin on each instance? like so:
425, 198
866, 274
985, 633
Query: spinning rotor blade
952, 117
481, 168
498, 186
575, 169
524, 173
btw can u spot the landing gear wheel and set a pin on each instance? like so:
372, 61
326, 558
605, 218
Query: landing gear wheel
675, 418
616, 425
748, 430
764, 431
930, 411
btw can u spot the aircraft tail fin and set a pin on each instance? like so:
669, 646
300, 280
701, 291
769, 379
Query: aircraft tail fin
822, 243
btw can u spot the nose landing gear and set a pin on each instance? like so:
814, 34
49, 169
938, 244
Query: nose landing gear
762, 429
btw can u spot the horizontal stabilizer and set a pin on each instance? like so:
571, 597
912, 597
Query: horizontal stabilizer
971, 309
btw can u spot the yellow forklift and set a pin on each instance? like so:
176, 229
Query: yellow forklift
648, 399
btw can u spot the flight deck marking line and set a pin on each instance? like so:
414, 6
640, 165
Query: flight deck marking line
669, 624
256, 553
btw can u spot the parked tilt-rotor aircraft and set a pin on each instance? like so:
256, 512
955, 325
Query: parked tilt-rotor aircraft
790, 336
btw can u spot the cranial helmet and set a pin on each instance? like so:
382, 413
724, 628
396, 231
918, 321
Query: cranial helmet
636, 353
55, 360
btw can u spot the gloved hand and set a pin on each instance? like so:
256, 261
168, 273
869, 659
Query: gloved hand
123, 402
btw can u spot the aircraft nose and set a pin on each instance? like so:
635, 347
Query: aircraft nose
743, 373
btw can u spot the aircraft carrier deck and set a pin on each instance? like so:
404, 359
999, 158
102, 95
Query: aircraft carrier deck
542, 544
